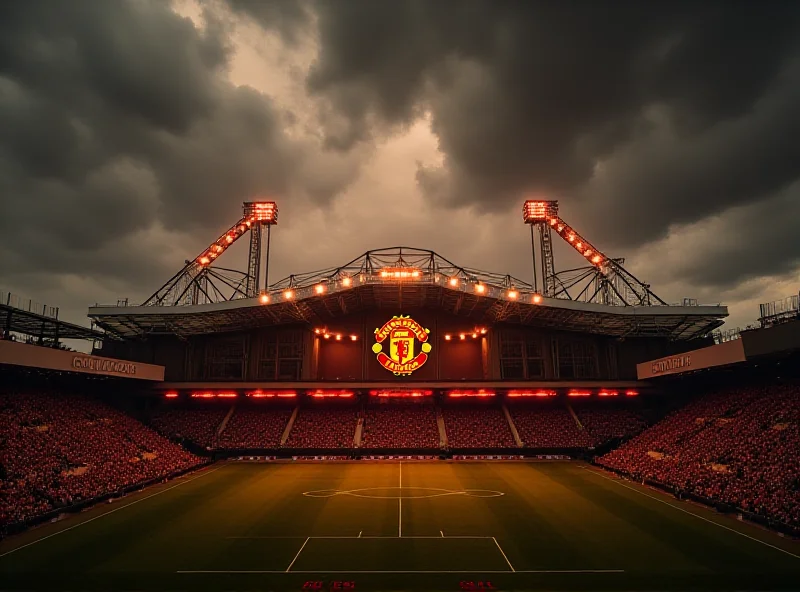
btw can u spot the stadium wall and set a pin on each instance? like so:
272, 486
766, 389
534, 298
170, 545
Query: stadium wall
292, 353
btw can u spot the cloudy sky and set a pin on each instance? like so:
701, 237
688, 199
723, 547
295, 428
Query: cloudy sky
132, 130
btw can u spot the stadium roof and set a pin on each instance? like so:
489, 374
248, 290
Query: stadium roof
334, 296
43, 325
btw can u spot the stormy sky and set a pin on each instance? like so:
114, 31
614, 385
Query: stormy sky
132, 130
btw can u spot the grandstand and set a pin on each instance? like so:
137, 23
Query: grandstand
401, 422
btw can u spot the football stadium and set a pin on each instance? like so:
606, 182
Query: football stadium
400, 422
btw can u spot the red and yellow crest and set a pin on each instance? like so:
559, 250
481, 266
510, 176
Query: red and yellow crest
402, 333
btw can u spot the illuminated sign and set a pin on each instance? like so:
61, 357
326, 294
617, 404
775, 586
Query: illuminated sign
401, 333
103, 366
671, 364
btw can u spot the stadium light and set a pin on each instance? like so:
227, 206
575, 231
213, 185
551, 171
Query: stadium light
453, 281
531, 393
537, 298
512, 294
264, 298
462, 337
326, 394
347, 281
354, 338
259, 394
288, 294
480, 288
319, 289
480, 393
447, 337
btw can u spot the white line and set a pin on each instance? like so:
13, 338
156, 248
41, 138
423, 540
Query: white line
359, 533
107, 513
298, 554
495, 571
441, 533
504, 555
400, 505
692, 513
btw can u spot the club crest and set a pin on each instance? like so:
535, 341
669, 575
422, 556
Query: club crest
396, 345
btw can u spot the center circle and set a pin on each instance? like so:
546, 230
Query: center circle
402, 492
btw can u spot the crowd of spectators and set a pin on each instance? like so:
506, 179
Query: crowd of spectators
197, 425
255, 428
549, 427
400, 426
738, 447
477, 427
607, 424
57, 451
324, 427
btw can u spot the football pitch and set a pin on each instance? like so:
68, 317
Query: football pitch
399, 526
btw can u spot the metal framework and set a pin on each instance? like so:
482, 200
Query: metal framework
200, 282
604, 281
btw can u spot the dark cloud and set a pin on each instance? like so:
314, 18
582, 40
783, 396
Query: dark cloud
638, 116
118, 118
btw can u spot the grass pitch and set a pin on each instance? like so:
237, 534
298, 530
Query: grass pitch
415, 525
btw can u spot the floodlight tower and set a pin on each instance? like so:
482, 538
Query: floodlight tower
262, 213
537, 214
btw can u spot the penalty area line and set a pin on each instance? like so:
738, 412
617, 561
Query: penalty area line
133, 503
298, 554
499, 548
747, 536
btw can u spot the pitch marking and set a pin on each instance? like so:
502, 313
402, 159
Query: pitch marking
298, 554
437, 492
107, 513
503, 554
498, 571
691, 513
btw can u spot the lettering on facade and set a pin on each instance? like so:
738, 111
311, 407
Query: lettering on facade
674, 363
100, 365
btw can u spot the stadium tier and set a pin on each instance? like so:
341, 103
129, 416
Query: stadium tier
400, 426
737, 446
481, 426
58, 451
324, 428
254, 428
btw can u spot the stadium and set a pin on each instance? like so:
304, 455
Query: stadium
400, 422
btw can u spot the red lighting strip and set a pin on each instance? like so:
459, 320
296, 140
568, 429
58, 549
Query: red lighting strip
171, 395
578, 394
478, 393
531, 393
607, 394
203, 395
631, 393
401, 394
320, 394
227, 395
272, 394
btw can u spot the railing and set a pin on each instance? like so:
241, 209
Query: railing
28, 305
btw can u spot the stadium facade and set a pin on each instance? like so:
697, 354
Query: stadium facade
403, 318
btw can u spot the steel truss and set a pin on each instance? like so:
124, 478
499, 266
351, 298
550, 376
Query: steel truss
200, 282
604, 281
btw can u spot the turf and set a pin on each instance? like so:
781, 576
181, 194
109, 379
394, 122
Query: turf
556, 526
